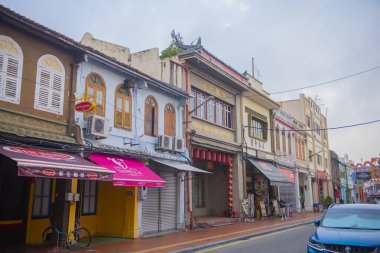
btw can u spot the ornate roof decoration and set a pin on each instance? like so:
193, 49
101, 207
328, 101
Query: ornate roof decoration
177, 40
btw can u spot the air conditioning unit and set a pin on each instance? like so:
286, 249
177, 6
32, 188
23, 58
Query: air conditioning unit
97, 126
178, 144
164, 142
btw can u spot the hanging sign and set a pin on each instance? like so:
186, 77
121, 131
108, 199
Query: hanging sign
85, 106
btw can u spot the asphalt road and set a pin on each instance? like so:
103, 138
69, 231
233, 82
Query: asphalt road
291, 240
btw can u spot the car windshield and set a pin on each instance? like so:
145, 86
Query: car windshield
356, 218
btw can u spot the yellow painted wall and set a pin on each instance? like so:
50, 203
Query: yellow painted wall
116, 212
131, 215
247, 102
110, 209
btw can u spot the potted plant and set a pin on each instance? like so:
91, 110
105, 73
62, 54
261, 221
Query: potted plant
327, 202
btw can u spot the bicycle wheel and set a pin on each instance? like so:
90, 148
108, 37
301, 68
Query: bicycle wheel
83, 237
48, 236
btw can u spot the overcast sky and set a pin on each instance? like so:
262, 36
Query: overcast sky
294, 43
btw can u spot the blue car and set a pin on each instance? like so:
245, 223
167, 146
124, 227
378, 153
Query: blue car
347, 228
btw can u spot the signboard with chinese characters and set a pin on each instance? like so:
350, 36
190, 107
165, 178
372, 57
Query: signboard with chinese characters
211, 130
85, 106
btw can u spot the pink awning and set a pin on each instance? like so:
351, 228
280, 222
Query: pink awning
288, 173
128, 172
33, 162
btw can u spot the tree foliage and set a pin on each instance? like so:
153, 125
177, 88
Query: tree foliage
170, 51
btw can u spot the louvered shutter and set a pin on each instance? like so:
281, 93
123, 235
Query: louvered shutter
119, 119
57, 91
172, 124
127, 114
127, 120
148, 120
1, 74
43, 89
11, 81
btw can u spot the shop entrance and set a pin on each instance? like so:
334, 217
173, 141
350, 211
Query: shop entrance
210, 191
13, 205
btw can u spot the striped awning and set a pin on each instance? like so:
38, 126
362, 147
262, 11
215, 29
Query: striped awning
33, 162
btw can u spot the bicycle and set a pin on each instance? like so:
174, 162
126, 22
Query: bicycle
82, 237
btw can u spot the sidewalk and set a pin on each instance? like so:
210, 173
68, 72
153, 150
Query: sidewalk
190, 241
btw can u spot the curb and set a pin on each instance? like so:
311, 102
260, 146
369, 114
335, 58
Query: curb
243, 237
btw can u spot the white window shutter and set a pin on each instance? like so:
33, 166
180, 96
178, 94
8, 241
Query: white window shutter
42, 89
11, 84
2, 74
57, 93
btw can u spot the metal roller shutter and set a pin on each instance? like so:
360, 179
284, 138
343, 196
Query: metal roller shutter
150, 212
288, 193
168, 202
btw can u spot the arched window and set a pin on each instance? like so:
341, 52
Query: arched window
277, 139
123, 108
170, 120
50, 84
11, 60
96, 92
289, 143
283, 141
151, 116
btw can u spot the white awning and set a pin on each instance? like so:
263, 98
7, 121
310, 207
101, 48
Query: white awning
180, 166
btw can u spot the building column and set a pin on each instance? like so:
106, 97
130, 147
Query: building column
297, 186
309, 194
131, 214
181, 178
238, 183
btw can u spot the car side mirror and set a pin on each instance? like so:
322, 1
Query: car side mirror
317, 223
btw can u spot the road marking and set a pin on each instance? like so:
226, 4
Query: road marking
247, 240
206, 239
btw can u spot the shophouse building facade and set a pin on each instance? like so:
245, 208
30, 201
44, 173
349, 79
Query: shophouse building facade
41, 162
335, 176
214, 131
304, 175
349, 190
285, 156
262, 178
142, 118
306, 111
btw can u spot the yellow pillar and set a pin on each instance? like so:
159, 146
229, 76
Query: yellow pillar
131, 229
72, 210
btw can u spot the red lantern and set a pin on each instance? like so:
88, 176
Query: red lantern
224, 158
230, 199
230, 205
208, 155
230, 188
203, 154
219, 157
230, 176
196, 153
228, 158
213, 156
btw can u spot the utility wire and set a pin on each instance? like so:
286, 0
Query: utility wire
331, 81
320, 129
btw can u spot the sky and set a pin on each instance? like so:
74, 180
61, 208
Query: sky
294, 44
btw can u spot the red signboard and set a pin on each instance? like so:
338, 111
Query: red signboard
85, 106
